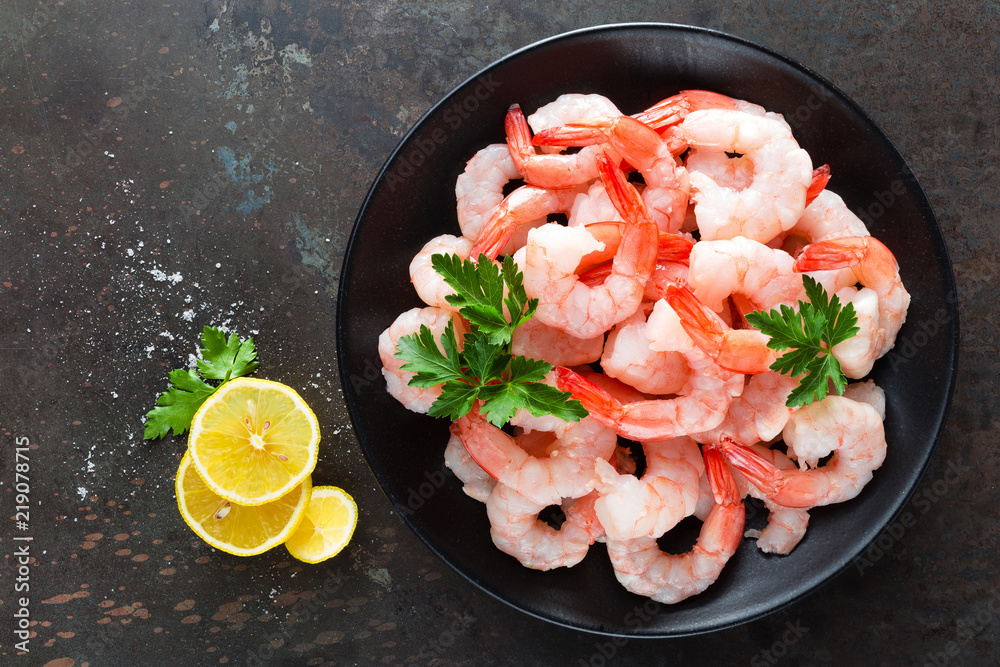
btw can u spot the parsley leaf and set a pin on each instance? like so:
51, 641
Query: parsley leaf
225, 360
484, 369
222, 359
807, 334
176, 406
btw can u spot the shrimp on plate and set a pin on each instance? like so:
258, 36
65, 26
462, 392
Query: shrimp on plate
782, 173
644, 569
479, 189
430, 285
553, 255
701, 405
536, 340
630, 507
566, 472
417, 399
786, 526
629, 358
476, 482
852, 431
517, 530
881, 304
526, 207
666, 191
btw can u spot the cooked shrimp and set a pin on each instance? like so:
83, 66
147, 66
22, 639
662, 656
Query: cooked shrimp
674, 109
418, 399
826, 218
430, 285
568, 471
672, 252
517, 530
526, 206
629, 358
738, 350
850, 430
735, 173
666, 191
536, 340
630, 507
593, 206
881, 304
570, 107
775, 198
763, 276
642, 568
477, 483
758, 414
701, 405
786, 526
867, 392
479, 188
553, 255
548, 170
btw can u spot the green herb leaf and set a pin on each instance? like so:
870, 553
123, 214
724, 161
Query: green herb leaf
177, 405
484, 369
807, 335
226, 359
222, 359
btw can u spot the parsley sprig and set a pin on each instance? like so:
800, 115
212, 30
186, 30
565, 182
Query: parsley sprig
484, 369
221, 359
808, 334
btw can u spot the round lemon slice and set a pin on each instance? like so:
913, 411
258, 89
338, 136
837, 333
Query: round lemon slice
327, 527
254, 440
237, 529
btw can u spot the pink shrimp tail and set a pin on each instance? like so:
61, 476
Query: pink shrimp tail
720, 477
700, 322
625, 198
601, 405
833, 254
493, 236
821, 176
762, 473
580, 133
674, 109
518, 137
670, 248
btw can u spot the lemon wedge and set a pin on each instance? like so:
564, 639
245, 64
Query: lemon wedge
253, 441
329, 523
238, 529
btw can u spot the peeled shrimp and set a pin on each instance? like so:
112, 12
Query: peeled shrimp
630, 507
553, 255
775, 198
763, 276
430, 285
850, 430
525, 206
881, 304
479, 188
567, 472
701, 405
826, 218
476, 482
629, 358
758, 414
643, 569
674, 109
786, 526
536, 340
666, 191
517, 530
418, 399
570, 107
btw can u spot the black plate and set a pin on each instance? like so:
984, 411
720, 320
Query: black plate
413, 199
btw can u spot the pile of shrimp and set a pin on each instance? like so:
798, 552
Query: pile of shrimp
642, 290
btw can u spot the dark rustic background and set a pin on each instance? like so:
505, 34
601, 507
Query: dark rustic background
169, 164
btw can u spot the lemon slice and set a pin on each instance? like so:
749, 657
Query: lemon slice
327, 527
237, 529
254, 440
